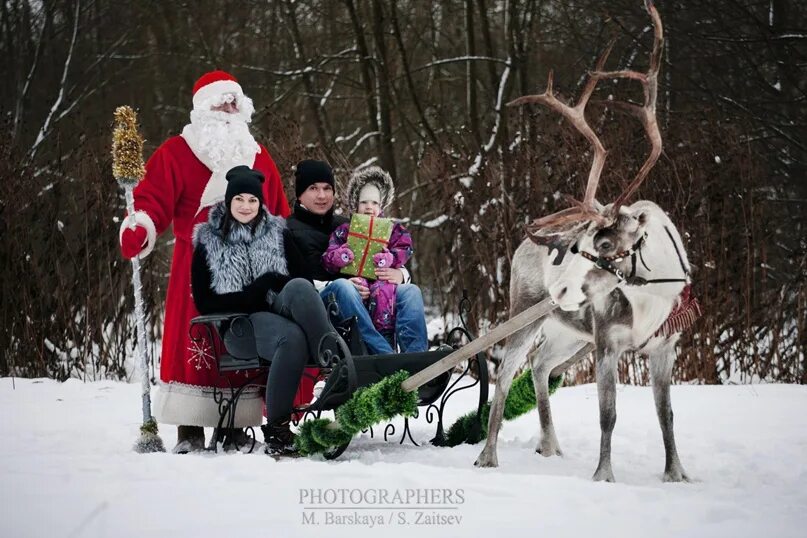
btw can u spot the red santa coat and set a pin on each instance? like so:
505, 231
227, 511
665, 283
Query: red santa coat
170, 193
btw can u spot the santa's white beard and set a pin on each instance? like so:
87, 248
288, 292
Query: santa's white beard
220, 139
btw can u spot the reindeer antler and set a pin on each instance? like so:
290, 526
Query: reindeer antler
647, 112
585, 211
576, 115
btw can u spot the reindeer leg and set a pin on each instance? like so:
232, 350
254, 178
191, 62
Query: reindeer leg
548, 445
661, 365
606, 391
554, 352
510, 364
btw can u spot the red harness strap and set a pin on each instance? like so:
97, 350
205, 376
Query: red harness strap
683, 315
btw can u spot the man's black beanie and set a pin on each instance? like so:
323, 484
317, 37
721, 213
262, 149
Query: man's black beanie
309, 172
243, 179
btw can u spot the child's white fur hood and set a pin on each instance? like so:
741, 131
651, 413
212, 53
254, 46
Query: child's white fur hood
372, 175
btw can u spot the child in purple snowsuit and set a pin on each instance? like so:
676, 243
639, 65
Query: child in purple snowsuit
368, 192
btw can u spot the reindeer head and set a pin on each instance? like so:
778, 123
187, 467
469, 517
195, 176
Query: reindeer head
600, 257
599, 237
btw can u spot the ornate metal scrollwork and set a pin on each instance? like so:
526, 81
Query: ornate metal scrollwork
481, 378
228, 404
407, 433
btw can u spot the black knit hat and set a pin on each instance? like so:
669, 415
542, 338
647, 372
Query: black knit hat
309, 172
243, 179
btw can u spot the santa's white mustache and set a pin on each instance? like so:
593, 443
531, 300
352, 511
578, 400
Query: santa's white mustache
222, 136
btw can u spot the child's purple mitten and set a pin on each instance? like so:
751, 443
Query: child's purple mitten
383, 259
343, 257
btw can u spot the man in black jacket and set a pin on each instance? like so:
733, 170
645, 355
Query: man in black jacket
312, 220
311, 223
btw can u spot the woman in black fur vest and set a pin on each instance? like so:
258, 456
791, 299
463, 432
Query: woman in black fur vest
242, 259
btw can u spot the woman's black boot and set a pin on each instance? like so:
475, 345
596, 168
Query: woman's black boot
279, 438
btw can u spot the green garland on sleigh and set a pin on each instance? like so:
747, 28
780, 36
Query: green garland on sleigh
369, 405
520, 400
385, 400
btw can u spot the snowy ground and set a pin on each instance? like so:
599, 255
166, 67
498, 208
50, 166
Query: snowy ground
66, 469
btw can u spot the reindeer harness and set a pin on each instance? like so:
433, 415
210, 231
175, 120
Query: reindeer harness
687, 308
607, 263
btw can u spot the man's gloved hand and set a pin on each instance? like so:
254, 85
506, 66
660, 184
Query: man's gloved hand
343, 256
132, 242
383, 259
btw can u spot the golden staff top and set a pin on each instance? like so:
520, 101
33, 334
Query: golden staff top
127, 148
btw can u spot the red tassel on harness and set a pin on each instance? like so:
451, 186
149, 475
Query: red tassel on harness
683, 315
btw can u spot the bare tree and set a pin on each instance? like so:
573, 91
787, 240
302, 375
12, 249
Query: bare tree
420, 90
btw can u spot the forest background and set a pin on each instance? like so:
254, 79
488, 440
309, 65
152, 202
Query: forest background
417, 87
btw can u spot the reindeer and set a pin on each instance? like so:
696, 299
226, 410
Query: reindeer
616, 272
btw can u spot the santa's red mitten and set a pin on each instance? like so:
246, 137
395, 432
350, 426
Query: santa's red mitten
132, 242
383, 259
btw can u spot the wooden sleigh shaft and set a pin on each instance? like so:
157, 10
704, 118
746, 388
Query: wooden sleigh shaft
530, 315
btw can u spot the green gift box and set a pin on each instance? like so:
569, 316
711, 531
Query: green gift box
366, 237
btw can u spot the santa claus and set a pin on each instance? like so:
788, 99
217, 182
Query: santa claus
185, 177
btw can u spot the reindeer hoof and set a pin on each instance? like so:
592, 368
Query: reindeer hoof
676, 474
486, 460
548, 449
603, 475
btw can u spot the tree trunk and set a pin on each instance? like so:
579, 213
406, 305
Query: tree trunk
470, 74
365, 61
320, 123
384, 94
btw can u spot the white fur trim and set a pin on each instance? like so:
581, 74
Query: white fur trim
205, 93
190, 405
141, 219
363, 176
214, 191
216, 186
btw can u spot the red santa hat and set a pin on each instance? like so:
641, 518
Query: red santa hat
213, 84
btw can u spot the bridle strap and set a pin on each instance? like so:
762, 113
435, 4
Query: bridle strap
639, 281
607, 263
677, 252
